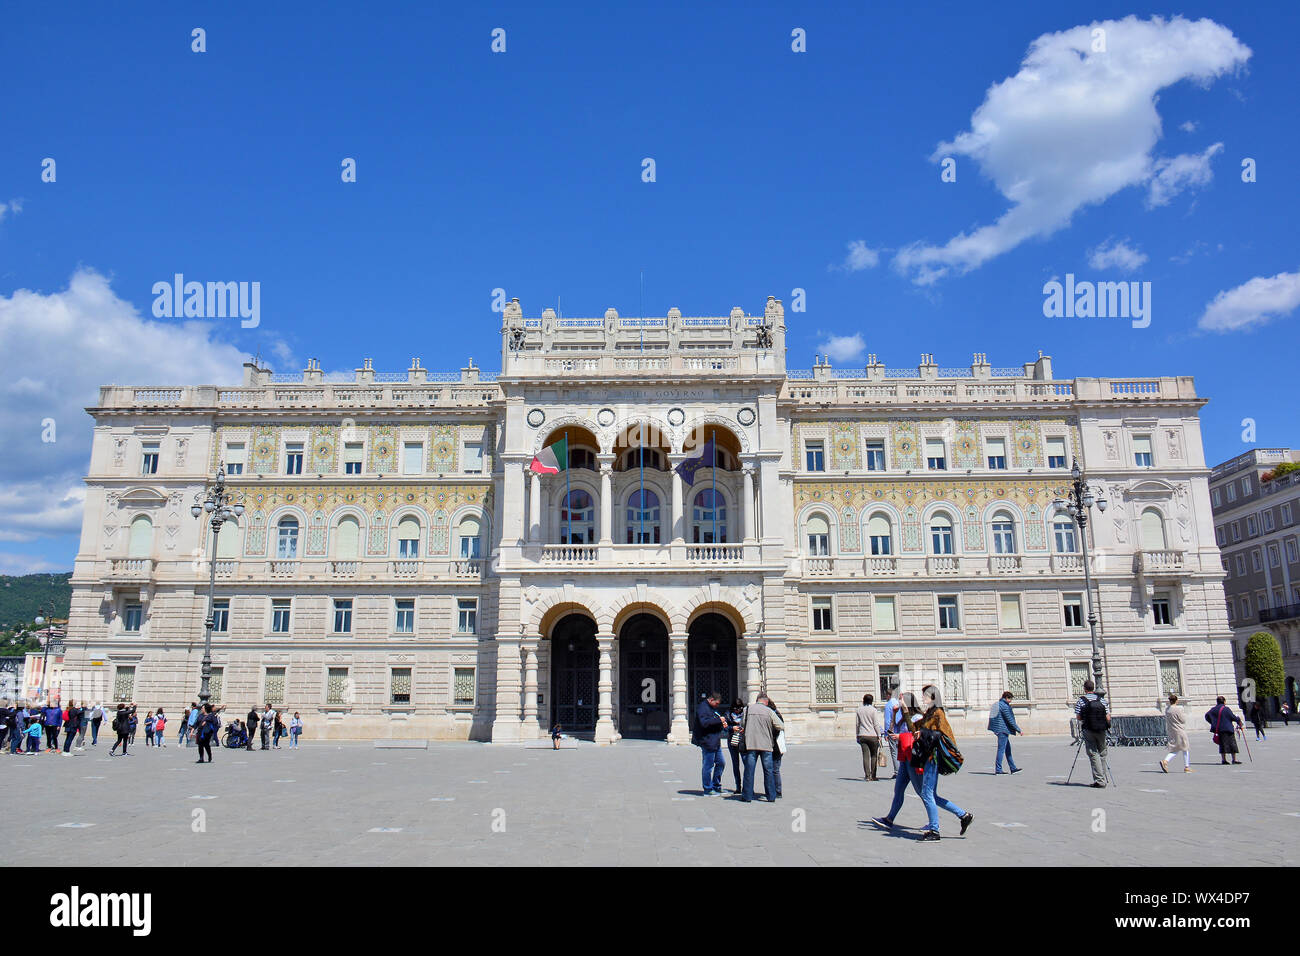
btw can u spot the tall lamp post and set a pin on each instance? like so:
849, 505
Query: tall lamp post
220, 507
45, 617
1079, 504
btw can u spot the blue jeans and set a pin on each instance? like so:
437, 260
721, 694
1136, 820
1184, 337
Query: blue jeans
94, 733
158, 738
769, 783
1004, 747
904, 774
711, 770
776, 771
293, 736
930, 797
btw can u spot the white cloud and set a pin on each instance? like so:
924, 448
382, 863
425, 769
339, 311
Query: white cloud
860, 257
11, 563
1253, 303
14, 206
1172, 176
843, 348
60, 348
1188, 127
1116, 254
1072, 128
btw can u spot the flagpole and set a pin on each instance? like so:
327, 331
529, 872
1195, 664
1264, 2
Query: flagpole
714, 489
568, 505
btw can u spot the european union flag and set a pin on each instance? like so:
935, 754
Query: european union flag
690, 466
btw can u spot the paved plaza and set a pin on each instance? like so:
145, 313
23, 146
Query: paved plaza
636, 804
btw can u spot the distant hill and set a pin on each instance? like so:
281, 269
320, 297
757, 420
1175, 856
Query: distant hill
22, 596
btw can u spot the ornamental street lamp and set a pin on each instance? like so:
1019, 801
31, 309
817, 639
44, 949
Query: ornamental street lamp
46, 617
213, 501
1078, 505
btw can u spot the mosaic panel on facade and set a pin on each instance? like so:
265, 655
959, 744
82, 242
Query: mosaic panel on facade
323, 457
966, 445
906, 445
845, 453
1024, 436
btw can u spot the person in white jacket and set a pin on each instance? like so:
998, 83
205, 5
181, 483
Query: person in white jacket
1176, 728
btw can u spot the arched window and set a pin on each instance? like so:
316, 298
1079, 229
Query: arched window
819, 535
643, 517
941, 541
881, 534
578, 518
471, 545
141, 541
1063, 533
1004, 533
286, 539
408, 537
1153, 530
347, 539
709, 518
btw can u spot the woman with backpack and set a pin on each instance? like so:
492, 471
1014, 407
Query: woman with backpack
122, 727
935, 720
159, 728
903, 716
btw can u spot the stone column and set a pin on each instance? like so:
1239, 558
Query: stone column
506, 726
747, 503
753, 679
679, 731
535, 508
530, 729
605, 732
606, 499
679, 523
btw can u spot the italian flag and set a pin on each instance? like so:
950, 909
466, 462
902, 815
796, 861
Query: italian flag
553, 459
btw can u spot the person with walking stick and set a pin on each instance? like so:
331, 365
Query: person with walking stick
1223, 724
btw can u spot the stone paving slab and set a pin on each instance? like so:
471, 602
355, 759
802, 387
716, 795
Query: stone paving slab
337, 805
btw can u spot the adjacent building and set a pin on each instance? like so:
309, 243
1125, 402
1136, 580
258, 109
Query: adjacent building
719, 522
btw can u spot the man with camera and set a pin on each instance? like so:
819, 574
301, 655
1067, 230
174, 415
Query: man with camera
1093, 715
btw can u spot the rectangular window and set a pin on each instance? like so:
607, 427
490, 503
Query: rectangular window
1231, 489
824, 684
149, 458
1018, 680
293, 458
352, 457
1245, 606
131, 618
221, 615
1286, 512
1252, 526
124, 683
467, 615
875, 456
949, 619
1056, 453
1241, 565
815, 455
280, 615
462, 686
954, 683
996, 450
399, 686
883, 617
1274, 556
1236, 531
1255, 563
1078, 674
1245, 486
215, 679
1214, 498
1009, 612
1142, 451
405, 623
342, 615
412, 458
889, 679
235, 458
935, 458
273, 689
473, 458
821, 614
1161, 613
1219, 537
336, 685
1171, 678
1267, 517
1072, 607
1290, 551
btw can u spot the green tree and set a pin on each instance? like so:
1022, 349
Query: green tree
1264, 665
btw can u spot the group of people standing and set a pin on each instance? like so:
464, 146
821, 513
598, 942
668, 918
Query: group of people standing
755, 737
21, 725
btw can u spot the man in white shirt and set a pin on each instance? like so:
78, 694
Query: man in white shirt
267, 723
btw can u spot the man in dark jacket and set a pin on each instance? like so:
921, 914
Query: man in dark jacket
1224, 723
709, 728
71, 725
251, 727
1002, 721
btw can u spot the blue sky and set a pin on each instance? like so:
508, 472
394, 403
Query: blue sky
523, 170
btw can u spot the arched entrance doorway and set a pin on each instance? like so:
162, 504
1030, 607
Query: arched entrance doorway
575, 672
710, 660
643, 678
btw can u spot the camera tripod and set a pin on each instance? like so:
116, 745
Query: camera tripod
1105, 759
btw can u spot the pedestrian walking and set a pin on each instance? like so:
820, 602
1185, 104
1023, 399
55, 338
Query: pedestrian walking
1093, 715
1223, 724
735, 714
71, 724
555, 736
267, 722
904, 714
758, 729
1257, 718
159, 728
250, 725
83, 724
18, 730
867, 720
52, 718
709, 728
1176, 729
96, 718
1286, 714
778, 748
1002, 722
295, 730
192, 722
894, 725
148, 729
205, 730
122, 727
935, 719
